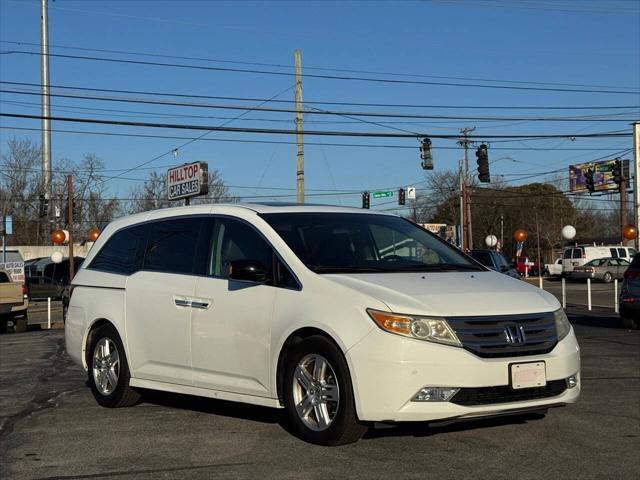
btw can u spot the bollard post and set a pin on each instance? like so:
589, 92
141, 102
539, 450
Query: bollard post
49, 313
616, 305
589, 294
564, 293
526, 271
540, 281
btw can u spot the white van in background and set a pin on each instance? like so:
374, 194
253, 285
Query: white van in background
580, 254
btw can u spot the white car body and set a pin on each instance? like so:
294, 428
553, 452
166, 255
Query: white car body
230, 349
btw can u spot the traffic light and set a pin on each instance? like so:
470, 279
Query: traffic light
74, 211
43, 208
617, 172
483, 163
366, 200
425, 154
401, 197
588, 180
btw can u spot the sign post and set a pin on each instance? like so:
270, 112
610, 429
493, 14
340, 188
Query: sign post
188, 180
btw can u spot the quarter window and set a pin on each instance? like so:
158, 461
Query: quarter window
121, 252
172, 245
577, 253
614, 252
622, 252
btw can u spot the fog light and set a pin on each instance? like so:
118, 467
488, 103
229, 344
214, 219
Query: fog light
572, 381
435, 394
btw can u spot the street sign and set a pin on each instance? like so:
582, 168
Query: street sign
188, 180
411, 193
602, 175
382, 194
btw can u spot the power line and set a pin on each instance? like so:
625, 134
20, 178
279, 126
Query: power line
327, 69
281, 142
318, 76
330, 133
588, 118
318, 102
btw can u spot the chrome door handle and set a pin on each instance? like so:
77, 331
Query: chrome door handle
181, 302
200, 304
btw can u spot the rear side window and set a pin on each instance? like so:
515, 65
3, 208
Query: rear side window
614, 252
4, 278
577, 253
622, 252
172, 246
121, 252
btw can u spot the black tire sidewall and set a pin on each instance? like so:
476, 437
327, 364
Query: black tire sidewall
604, 277
112, 400
346, 414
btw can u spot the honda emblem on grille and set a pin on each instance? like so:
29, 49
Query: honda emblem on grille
515, 334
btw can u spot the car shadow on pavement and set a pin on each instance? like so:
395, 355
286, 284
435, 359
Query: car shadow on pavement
594, 320
424, 429
212, 406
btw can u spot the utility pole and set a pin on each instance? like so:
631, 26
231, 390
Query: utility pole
462, 214
467, 238
46, 111
70, 226
636, 176
501, 232
299, 137
623, 205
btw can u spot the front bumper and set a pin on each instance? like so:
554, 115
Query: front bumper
388, 370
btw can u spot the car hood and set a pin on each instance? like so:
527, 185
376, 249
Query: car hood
450, 293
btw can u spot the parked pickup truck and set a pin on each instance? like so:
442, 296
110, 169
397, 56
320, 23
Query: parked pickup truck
554, 269
13, 304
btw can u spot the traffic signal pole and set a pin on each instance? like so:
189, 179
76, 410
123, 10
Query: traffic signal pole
467, 237
623, 207
636, 176
46, 112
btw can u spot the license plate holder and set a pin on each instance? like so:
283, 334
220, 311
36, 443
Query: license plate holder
527, 375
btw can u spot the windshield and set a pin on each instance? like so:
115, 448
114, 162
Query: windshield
362, 243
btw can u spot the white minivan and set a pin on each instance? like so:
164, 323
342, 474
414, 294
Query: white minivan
341, 316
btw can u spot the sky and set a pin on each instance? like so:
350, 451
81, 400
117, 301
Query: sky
533, 47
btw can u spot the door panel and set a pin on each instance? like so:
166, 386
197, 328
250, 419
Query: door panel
231, 338
157, 328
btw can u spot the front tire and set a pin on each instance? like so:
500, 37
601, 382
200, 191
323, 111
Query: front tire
607, 277
108, 370
318, 394
630, 323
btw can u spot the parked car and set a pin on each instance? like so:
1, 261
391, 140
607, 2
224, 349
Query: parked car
630, 295
605, 269
580, 254
340, 316
524, 266
495, 261
13, 304
554, 269
45, 278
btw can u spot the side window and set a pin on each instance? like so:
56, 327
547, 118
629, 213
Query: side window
577, 253
121, 252
172, 245
632, 252
235, 240
567, 253
614, 252
622, 252
4, 278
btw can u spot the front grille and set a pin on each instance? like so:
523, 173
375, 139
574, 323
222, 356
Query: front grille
488, 336
470, 397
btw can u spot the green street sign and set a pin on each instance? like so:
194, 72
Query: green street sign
382, 194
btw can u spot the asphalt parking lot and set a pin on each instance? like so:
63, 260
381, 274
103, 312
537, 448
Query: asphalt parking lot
51, 428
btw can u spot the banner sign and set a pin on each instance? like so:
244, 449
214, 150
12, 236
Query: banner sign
602, 175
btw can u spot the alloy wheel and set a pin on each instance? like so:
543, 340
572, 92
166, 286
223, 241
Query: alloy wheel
316, 394
106, 366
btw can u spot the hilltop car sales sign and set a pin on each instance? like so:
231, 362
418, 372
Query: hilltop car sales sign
188, 180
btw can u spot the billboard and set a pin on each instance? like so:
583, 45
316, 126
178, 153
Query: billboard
188, 180
602, 175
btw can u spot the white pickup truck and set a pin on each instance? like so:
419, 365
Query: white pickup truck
554, 269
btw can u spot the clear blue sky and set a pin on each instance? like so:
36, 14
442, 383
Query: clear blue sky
565, 42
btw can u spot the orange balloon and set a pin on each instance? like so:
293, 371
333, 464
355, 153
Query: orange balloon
520, 235
93, 235
629, 232
57, 237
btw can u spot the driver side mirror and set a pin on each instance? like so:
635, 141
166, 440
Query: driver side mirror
247, 270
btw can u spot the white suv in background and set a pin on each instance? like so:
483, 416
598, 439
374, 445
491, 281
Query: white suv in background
341, 316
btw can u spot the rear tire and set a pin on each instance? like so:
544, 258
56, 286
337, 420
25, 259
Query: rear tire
108, 371
630, 323
21, 324
607, 277
318, 393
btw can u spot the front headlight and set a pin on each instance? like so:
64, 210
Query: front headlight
563, 327
423, 328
